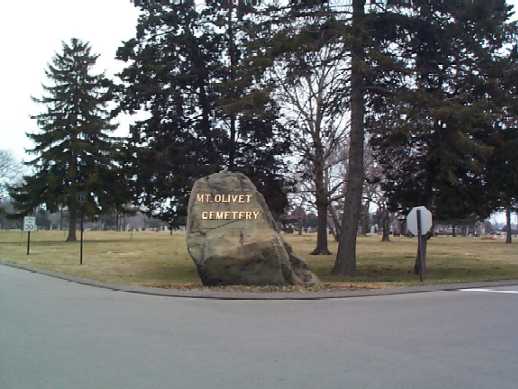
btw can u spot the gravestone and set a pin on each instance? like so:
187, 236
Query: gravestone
233, 239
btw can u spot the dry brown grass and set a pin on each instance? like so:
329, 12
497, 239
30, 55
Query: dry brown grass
160, 260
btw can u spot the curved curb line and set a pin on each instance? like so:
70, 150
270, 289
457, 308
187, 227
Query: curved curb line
219, 295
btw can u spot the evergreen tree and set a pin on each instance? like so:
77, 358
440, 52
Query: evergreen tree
187, 71
73, 150
502, 167
345, 263
433, 119
360, 23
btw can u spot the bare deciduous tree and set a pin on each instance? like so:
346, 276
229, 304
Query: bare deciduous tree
10, 171
313, 103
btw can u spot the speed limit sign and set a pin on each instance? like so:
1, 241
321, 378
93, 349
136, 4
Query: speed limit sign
29, 224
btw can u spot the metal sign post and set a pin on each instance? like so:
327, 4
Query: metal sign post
419, 222
28, 242
82, 231
82, 200
420, 245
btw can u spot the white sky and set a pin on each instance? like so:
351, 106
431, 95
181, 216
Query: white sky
31, 32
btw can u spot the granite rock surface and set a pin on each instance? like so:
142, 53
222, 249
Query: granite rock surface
233, 238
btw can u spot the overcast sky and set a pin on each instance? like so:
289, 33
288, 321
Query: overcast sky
31, 32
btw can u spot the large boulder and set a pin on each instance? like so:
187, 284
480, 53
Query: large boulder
233, 239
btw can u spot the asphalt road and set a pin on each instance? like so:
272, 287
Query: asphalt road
59, 335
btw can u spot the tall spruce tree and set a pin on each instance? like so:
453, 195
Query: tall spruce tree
432, 122
296, 27
361, 24
345, 263
73, 150
502, 167
205, 110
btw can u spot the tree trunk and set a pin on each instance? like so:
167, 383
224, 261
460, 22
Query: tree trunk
232, 58
72, 221
345, 263
417, 264
322, 247
336, 222
453, 231
385, 237
508, 230
333, 232
365, 225
61, 218
321, 203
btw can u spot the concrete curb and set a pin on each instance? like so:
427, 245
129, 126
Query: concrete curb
235, 295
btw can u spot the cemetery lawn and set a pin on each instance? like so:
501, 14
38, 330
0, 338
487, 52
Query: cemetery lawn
157, 259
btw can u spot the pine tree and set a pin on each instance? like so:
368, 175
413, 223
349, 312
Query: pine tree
186, 70
345, 263
257, 141
502, 167
358, 22
73, 150
432, 123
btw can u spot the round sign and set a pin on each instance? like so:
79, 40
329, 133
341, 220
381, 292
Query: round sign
426, 220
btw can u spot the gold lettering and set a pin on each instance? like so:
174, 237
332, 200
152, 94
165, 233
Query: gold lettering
227, 215
223, 198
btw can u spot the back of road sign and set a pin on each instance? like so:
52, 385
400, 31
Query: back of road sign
426, 220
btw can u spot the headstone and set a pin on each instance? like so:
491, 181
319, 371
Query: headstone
233, 238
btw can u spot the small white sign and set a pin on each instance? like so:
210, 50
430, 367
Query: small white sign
29, 224
426, 220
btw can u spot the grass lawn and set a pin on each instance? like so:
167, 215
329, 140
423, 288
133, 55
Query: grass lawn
158, 259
